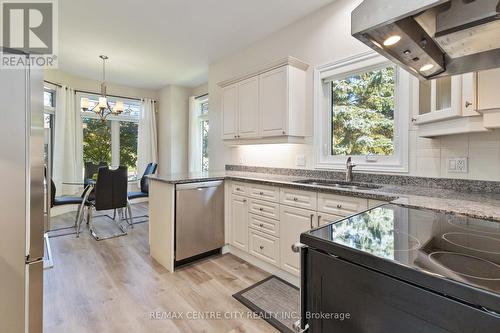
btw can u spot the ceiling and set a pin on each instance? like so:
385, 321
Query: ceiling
153, 43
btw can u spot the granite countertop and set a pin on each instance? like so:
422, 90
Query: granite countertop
483, 205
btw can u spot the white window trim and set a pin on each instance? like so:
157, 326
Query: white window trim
50, 88
201, 119
322, 119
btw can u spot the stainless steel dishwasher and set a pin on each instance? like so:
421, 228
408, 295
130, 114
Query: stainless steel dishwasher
199, 219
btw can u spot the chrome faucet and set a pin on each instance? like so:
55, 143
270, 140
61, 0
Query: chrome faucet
348, 169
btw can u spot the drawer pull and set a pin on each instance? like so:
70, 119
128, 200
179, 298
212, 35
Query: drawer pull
244, 200
261, 193
238, 189
261, 209
295, 199
312, 216
261, 247
319, 220
339, 206
261, 225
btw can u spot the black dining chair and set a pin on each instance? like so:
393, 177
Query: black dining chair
110, 194
64, 200
144, 192
90, 170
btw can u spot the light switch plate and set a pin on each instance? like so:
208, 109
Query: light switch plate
458, 165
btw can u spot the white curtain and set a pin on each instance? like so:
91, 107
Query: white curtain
194, 136
68, 142
147, 144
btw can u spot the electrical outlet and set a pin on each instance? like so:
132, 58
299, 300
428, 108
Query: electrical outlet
301, 160
458, 165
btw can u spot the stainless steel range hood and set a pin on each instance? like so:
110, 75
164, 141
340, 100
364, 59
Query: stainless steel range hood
432, 38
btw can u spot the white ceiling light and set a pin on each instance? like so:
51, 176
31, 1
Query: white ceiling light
426, 67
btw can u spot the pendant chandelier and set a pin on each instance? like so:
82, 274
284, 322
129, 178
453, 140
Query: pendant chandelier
102, 108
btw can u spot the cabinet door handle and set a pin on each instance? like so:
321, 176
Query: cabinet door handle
261, 193
244, 200
238, 189
261, 209
261, 225
319, 220
295, 199
312, 217
261, 247
339, 206
467, 104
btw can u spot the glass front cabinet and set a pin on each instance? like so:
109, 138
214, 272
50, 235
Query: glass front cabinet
446, 98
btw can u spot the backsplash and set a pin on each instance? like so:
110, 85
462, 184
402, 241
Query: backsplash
427, 157
462, 185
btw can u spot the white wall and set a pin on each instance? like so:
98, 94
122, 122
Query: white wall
173, 118
319, 38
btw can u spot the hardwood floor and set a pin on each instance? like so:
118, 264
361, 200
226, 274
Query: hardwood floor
115, 286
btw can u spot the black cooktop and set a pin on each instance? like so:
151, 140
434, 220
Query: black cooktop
454, 248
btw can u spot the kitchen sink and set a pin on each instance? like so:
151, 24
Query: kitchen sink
338, 184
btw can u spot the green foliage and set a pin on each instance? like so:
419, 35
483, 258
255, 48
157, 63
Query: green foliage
96, 141
128, 145
363, 113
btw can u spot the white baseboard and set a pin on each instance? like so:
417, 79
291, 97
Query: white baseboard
271, 269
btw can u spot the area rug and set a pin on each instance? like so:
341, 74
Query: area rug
274, 300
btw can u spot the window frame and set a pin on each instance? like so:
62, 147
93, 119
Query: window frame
201, 118
323, 76
113, 119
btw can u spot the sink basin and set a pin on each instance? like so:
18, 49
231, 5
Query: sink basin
338, 184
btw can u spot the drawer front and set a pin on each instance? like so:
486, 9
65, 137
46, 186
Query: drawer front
239, 188
340, 205
264, 247
264, 224
324, 219
264, 208
264, 192
298, 198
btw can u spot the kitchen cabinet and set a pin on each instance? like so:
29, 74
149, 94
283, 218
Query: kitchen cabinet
294, 221
447, 106
248, 108
264, 247
267, 103
239, 220
230, 112
488, 98
488, 83
446, 98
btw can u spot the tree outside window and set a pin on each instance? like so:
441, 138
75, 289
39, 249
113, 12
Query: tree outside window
363, 113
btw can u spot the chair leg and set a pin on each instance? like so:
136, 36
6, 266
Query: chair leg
78, 214
114, 214
80, 218
130, 216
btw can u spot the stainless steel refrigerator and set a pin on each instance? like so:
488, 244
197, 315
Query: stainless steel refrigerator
21, 200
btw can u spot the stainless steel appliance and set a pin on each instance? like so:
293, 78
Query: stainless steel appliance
396, 269
432, 38
21, 200
199, 219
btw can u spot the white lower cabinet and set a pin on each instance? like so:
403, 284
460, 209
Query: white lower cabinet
267, 220
293, 221
239, 222
264, 246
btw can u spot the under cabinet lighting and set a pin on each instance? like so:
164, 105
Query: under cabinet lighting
426, 67
392, 40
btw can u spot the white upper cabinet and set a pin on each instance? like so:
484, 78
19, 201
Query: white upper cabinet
268, 103
447, 106
274, 102
248, 108
488, 93
230, 112
446, 98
